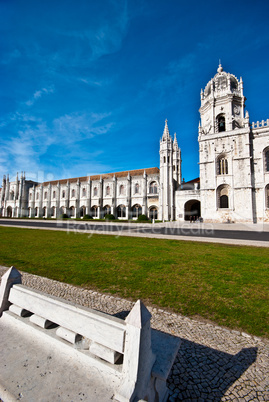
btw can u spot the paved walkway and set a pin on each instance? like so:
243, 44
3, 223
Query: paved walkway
213, 363
234, 233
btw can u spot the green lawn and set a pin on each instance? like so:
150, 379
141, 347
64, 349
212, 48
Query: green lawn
226, 284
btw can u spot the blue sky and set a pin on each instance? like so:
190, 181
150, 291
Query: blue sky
87, 85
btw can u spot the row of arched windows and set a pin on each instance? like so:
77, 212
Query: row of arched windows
153, 189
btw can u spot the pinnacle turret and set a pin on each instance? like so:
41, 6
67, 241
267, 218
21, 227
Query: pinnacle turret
175, 141
166, 135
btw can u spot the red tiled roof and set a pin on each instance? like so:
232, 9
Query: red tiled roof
197, 180
138, 172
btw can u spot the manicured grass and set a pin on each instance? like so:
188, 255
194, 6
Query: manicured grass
226, 284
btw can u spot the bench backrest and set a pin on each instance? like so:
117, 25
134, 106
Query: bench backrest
110, 337
99, 327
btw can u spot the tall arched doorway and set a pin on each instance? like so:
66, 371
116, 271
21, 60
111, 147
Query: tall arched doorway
192, 210
9, 212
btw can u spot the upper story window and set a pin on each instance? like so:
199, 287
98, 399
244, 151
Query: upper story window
136, 188
37, 196
73, 194
84, 192
121, 189
221, 123
222, 166
30, 196
153, 188
45, 195
63, 194
54, 194
95, 191
266, 160
107, 190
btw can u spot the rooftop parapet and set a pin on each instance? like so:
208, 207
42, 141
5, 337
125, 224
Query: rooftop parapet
263, 123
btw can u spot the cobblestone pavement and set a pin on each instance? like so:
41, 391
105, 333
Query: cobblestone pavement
213, 363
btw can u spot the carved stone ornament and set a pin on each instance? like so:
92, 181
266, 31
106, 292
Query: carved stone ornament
221, 82
236, 109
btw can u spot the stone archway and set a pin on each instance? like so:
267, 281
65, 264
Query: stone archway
192, 210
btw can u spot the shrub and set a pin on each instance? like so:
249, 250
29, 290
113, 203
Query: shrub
87, 217
109, 217
142, 218
63, 216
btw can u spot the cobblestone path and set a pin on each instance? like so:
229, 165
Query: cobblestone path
213, 363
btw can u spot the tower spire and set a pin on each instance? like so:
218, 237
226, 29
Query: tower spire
166, 135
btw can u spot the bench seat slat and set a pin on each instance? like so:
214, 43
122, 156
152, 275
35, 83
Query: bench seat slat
99, 327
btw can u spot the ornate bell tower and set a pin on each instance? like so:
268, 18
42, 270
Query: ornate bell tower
225, 151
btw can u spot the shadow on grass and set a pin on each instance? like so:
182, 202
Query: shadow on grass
206, 373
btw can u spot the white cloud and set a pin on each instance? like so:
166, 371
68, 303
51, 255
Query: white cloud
75, 127
38, 95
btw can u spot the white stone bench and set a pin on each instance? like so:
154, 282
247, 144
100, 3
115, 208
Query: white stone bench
126, 355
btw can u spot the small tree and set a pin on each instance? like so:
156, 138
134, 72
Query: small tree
142, 218
87, 217
63, 216
109, 217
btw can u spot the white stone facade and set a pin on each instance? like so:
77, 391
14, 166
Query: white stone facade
233, 184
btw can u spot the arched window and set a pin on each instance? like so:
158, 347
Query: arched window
36, 211
30, 196
73, 193
37, 196
222, 165
94, 210
107, 210
54, 194
266, 160
267, 196
224, 201
153, 213
72, 211
45, 195
223, 196
84, 192
82, 211
153, 188
95, 191
107, 190
136, 188
63, 194
121, 211
53, 210
221, 123
122, 190
136, 211
164, 160
44, 212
